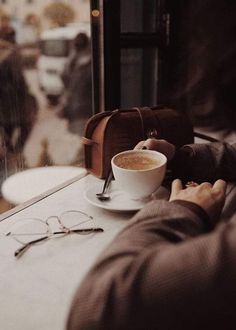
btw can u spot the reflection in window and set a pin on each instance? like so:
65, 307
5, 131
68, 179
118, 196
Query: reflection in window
139, 70
144, 19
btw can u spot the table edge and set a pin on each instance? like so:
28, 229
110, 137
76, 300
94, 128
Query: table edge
40, 197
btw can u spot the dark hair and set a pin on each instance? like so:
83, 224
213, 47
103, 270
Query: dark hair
81, 41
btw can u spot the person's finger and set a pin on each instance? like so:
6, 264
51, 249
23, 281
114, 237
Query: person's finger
176, 186
219, 187
206, 185
151, 144
162, 146
139, 145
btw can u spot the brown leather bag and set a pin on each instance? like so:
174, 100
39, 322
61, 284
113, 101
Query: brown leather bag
111, 132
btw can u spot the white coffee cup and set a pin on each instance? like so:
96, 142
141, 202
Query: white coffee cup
139, 172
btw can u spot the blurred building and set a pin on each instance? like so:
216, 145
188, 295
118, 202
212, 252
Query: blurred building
19, 10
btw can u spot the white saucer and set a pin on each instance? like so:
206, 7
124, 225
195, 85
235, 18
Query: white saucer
119, 202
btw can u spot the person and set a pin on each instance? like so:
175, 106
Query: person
7, 32
174, 265
77, 99
18, 111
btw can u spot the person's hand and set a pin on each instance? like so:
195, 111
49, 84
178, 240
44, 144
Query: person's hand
162, 146
210, 197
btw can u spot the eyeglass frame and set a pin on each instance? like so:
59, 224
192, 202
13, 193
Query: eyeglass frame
48, 234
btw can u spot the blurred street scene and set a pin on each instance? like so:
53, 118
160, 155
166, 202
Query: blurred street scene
45, 83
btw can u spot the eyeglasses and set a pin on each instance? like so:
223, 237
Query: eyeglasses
31, 231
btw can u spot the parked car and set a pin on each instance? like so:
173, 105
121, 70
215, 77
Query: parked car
55, 47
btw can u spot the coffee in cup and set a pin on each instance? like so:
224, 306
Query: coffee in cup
139, 172
136, 162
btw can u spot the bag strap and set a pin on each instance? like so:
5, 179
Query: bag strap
151, 127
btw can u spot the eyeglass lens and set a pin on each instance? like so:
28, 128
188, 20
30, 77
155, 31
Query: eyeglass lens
28, 229
75, 220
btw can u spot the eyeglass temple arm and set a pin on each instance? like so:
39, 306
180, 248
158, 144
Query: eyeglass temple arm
27, 245
85, 230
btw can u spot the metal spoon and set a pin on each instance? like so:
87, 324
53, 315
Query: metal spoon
104, 196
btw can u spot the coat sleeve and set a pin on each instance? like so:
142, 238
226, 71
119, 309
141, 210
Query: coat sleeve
205, 162
163, 271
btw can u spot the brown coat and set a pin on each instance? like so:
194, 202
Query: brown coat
167, 269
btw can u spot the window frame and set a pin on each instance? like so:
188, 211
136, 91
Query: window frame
107, 44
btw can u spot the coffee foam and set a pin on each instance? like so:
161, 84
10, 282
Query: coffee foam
136, 162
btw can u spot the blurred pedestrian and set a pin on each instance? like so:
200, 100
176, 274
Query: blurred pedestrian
77, 98
18, 107
7, 32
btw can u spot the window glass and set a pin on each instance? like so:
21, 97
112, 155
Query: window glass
145, 19
45, 96
139, 77
55, 48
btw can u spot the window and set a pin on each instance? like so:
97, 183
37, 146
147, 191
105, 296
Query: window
130, 43
45, 101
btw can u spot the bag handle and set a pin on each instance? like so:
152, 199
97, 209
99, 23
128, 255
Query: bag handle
150, 126
92, 124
